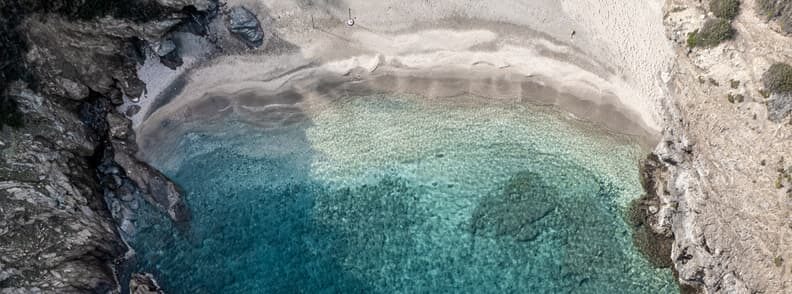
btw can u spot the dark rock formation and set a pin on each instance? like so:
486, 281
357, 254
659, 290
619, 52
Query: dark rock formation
154, 186
55, 230
244, 25
168, 53
144, 284
655, 245
68, 178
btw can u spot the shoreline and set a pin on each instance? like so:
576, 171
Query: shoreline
510, 73
307, 88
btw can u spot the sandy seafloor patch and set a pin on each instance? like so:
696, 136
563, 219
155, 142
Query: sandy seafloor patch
396, 194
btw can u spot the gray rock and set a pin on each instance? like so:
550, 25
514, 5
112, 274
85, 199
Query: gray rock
244, 25
120, 127
144, 283
169, 54
155, 187
58, 55
166, 47
56, 236
132, 110
72, 89
779, 106
116, 97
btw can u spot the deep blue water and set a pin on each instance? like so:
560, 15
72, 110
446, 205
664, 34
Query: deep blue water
402, 197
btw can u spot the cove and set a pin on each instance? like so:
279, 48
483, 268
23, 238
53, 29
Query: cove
392, 193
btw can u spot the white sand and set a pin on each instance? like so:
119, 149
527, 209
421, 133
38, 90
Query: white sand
614, 61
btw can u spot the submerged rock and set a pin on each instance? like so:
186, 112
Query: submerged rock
244, 25
517, 211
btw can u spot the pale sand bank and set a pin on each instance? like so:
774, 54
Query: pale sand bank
507, 51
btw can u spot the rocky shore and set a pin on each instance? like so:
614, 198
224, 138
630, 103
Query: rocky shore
69, 179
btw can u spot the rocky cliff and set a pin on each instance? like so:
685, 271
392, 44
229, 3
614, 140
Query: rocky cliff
725, 150
68, 175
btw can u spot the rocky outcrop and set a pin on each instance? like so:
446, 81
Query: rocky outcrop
244, 25
144, 284
55, 231
154, 186
68, 176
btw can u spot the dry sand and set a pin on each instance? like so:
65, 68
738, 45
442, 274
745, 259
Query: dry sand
505, 50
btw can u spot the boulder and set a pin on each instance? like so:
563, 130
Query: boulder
244, 25
779, 106
168, 53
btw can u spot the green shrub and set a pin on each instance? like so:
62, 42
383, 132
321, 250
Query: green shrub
727, 9
692, 39
9, 114
713, 32
778, 78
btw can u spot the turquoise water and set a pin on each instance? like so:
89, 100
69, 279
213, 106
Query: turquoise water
385, 194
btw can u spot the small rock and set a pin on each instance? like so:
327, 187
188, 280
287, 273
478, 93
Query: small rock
134, 89
245, 26
73, 90
653, 209
166, 46
169, 53
116, 97
120, 127
132, 110
127, 197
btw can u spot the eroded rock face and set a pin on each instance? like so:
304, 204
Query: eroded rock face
245, 26
55, 231
62, 193
58, 56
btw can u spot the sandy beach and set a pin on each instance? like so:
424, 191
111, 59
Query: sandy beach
509, 51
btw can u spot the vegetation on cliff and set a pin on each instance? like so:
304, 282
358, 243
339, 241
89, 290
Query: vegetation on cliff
778, 78
713, 32
727, 9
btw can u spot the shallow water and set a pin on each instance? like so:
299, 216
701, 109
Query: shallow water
384, 194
